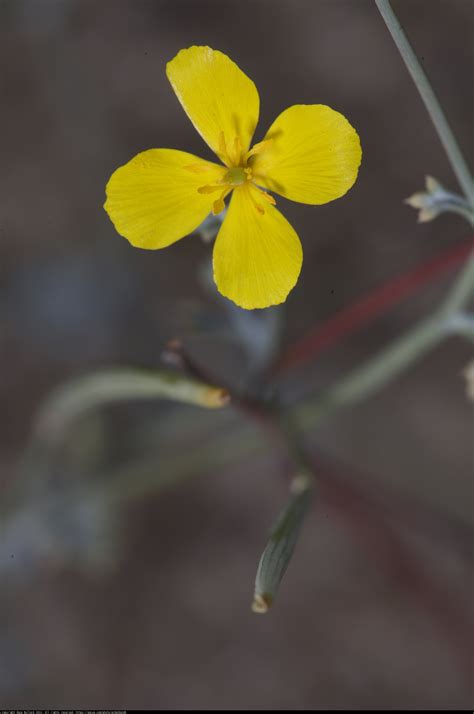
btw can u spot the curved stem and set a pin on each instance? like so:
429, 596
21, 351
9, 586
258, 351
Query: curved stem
461, 291
465, 212
435, 111
363, 381
371, 305
111, 385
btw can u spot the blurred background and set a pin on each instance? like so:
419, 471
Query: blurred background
143, 600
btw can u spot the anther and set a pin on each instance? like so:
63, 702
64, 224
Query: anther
199, 168
258, 206
209, 189
223, 148
219, 204
267, 196
237, 149
259, 148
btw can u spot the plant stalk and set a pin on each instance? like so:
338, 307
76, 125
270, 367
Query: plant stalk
428, 96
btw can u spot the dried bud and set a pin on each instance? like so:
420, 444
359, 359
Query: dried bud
435, 200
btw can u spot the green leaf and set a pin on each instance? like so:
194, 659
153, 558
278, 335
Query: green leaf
280, 547
82, 394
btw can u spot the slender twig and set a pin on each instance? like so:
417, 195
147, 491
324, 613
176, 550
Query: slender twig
374, 374
177, 353
378, 371
108, 386
461, 291
368, 307
465, 212
428, 96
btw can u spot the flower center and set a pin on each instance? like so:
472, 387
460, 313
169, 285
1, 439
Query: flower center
237, 175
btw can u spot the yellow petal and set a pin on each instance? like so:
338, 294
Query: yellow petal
313, 156
221, 101
257, 255
154, 199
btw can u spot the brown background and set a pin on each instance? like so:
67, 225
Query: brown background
83, 89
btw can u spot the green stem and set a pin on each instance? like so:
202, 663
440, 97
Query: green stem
107, 386
462, 325
138, 479
78, 396
435, 111
363, 381
461, 291
466, 213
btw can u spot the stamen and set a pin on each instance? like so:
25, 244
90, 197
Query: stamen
258, 206
219, 205
209, 189
223, 149
237, 149
232, 154
267, 196
258, 148
199, 168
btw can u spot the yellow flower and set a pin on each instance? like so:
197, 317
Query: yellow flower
310, 154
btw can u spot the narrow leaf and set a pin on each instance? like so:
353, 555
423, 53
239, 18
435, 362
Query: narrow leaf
279, 550
79, 395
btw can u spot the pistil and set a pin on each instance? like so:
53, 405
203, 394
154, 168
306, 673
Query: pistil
237, 174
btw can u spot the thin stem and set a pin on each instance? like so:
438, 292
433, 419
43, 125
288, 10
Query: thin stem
374, 374
461, 291
355, 387
435, 111
368, 307
463, 211
461, 324
108, 386
378, 371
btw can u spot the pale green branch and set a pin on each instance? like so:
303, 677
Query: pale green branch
74, 398
428, 96
374, 374
461, 292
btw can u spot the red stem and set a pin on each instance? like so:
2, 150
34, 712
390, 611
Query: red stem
370, 306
